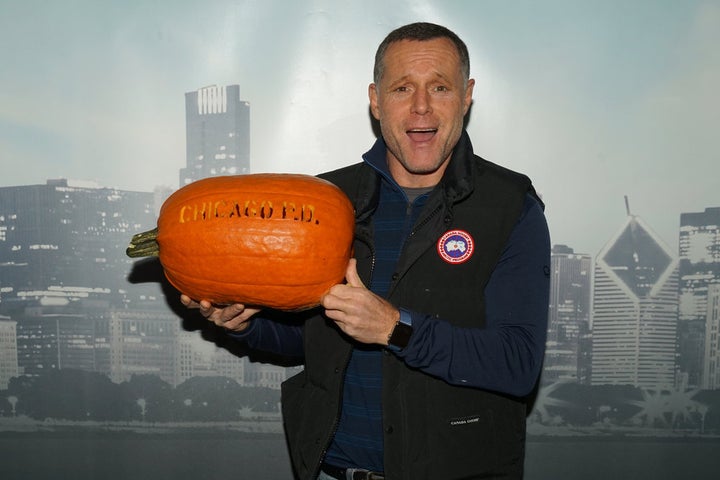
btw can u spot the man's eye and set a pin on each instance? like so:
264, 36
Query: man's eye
441, 88
401, 89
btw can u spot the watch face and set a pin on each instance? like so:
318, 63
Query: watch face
400, 335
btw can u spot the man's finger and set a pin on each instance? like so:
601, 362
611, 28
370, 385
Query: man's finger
351, 275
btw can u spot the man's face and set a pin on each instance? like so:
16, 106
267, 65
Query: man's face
420, 102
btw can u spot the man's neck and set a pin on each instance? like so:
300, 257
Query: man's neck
408, 179
414, 192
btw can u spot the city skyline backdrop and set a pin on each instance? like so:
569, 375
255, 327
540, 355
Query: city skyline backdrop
593, 100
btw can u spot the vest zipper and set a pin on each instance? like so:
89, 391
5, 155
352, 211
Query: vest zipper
371, 247
336, 422
425, 221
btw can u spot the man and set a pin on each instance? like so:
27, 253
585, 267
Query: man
422, 373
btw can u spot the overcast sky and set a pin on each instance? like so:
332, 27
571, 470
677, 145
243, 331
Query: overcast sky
593, 99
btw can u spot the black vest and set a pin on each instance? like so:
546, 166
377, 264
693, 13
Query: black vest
432, 429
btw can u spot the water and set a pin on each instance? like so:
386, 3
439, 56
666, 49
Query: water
80, 454
620, 459
120, 456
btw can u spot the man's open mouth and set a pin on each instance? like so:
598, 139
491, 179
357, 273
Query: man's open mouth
421, 134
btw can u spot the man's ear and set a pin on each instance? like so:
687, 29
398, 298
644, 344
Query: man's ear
469, 94
373, 96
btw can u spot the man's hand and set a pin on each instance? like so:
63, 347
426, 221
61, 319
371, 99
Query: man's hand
358, 312
233, 317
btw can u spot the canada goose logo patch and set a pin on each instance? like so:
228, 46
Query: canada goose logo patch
456, 246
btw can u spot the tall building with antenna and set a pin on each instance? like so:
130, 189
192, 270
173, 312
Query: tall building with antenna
217, 133
634, 309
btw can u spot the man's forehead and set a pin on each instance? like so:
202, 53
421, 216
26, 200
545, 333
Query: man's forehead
406, 46
439, 58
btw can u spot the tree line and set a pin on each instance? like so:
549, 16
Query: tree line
78, 395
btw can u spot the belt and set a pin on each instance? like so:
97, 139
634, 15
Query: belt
351, 473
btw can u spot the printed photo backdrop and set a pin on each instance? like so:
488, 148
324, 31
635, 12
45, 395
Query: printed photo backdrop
610, 107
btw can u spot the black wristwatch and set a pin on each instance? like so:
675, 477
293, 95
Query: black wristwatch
400, 336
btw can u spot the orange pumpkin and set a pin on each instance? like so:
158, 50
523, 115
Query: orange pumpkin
272, 240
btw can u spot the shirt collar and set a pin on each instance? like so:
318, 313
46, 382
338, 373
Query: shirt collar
456, 181
376, 157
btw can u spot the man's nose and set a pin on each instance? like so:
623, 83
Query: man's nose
421, 102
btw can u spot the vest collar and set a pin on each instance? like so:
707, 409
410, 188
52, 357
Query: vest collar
457, 181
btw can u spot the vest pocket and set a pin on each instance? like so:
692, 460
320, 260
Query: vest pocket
478, 434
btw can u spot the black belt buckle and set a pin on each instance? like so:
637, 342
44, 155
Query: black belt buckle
352, 473
356, 474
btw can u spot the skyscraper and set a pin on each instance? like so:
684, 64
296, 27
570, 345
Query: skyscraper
567, 349
634, 310
60, 243
8, 351
217, 133
711, 364
62, 261
699, 269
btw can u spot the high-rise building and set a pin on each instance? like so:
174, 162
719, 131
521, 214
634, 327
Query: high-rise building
699, 269
635, 310
8, 351
61, 243
200, 358
567, 349
142, 343
55, 337
711, 365
63, 267
217, 133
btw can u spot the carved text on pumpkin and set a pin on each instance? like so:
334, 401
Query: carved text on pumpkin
264, 209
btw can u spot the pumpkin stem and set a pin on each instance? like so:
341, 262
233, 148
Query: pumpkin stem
144, 244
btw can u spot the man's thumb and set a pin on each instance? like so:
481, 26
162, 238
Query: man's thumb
351, 275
